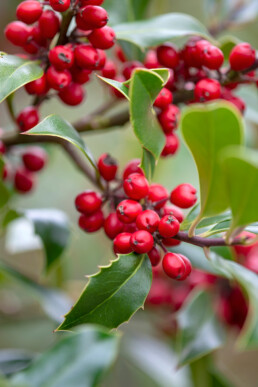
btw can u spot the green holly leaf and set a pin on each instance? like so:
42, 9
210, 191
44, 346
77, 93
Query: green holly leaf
207, 130
240, 166
56, 126
114, 294
15, 73
160, 29
122, 11
120, 86
79, 359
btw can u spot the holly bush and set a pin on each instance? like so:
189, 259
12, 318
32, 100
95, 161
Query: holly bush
187, 254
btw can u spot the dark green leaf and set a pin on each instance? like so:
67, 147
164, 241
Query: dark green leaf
114, 294
199, 330
56, 126
151, 32
15, 73
120, 86
79, 359
208, 129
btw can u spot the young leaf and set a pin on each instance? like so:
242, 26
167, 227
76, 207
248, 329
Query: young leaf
199, 331
15, 73
52, 226
114, 294
120, 86
79, 359
207, 130
160, 29
241, 169
56, 126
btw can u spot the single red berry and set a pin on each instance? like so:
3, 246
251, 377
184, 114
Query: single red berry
136, 186
183, 196
34, 159
132, 167
169, 209
212, 57
174, 266
61, 57
207, 90
168, 55
17, 33
91, 223
129, 67
49, 24
91, 2
110, 69
2, 147
151, 60
38, 87
60, 5
86, 57
93, 17
23, 180
107, 167
242, 57
128, 210
169, 118
188, 267
158, 195
191, 55
148, 220
29, 11
164, 99
168, 226
122, 243
170, 242
79, 75
28, 118
242, 251
103, 38
141, 242
58, 80
154, 256
72, 95
88, 202
113, 226
171, 146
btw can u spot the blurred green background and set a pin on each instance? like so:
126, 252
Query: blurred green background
23, 325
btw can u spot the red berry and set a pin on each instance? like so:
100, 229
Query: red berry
29, 11
212, 57
129, 67
154, 256
151, 60
93, 17
58, 80
38, 87
113, 226
79, 75
168, 55
207, 90
158, 195
72, 95
174, 266
23, 180
191, 55
168, 226
142, 241
37, 36
86, 57
28, 118
107, 167
188, 267
2, 147
169, 209
34, 159
120, 54
103, 38
128, 210
184, 196
49, 24
242, 251
132, 167
61, 57
91, 2
17, 33
169, 118
102, 59
122, 243
242, 57
171, 146
148, 220
93, 222
60, 5
164, 98
136, 186
109, 70
88, 202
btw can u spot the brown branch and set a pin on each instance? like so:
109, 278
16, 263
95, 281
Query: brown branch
206, 242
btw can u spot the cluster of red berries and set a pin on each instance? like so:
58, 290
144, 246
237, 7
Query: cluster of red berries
139, 218
30, 161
